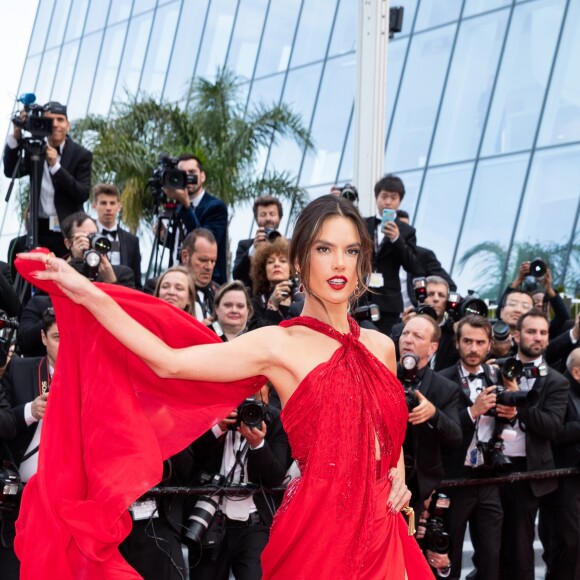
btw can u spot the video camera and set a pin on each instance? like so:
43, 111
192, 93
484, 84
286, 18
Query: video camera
436, 538
35, 123
166, 175
252, 413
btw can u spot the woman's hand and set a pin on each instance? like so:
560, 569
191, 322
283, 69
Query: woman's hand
400, 496
78, 288
282, 294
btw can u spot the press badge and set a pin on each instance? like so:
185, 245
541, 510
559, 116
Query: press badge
476, 457
143, 509
53, 223
376, 280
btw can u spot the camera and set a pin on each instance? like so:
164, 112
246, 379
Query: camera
409, 368
167, 175
369, 312
349, 192
10, 486
10, 325
252, 413
492, 451
500, 331
204, 511
436, 538
538, 268
420, 287
294, 288
99, 245
458, 307
272, 234
35, 123
426, 309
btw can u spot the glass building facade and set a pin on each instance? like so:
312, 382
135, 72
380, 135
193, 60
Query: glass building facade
483, 104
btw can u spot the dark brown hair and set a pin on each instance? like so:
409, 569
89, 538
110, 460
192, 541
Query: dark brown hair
260, 282
307, 230
533, 313
267, 200
474, 321
233, 286
105, 189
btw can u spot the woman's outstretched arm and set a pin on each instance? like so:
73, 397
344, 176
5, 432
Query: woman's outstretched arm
247, 356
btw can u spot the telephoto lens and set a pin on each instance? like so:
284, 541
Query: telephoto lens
200, 518
500, 330
538, 268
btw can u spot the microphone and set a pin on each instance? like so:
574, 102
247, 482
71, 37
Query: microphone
27, 99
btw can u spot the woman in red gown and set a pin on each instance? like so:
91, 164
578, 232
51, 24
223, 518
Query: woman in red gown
344, 410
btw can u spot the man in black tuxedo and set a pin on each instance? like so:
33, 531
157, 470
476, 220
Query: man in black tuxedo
246, 454
394, 247
267, 214
476, 503
199, 209
26, 384
125, 246
559, 525
562, 345
65, 180
530, 449
433, 422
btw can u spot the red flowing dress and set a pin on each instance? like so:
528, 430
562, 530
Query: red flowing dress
334, 522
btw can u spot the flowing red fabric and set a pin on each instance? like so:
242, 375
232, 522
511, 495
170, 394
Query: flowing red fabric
333, 523
109, 424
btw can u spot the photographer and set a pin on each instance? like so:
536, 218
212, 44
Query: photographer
241, 454
432, 401
513, 305
394, 247
267, 214
275, 285
26, 384
199, 209
435, 295
530, 450
560, 347
482, 503
66, 174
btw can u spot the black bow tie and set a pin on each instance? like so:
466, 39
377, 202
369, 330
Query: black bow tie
472, 376
112, 233
378, 221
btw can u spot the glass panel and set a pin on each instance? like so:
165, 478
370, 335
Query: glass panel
159, 49
120, 10
345, 29
267, 91
278, 35
66, 69
436, 13
76, 19
439, 212
313, 30
346, 168
108, 68
549, 209
561, 121
58, 24
84, 75
522, 79
412, 182
396, 57
132, 63
488, 225
97, 15
330, 120
216, 37
29, 75
46, 75
572, 281
419, 99
476, 6
141, 6
299, 94
246, 37
185, 49
469, 88
41, 24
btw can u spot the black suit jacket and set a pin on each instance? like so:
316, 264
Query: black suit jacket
243, 263
566, 444
130, 254
542, 423
389, 259
212, 214
72, 182
454, 459
430, 266
21, 385
560, 347
424, 442
266, 466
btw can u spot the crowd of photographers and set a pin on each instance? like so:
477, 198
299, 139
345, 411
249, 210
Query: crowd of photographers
486, 396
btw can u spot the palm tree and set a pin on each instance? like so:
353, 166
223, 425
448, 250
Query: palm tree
212, 124
496, 269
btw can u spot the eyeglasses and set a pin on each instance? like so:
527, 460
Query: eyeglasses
525, 306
